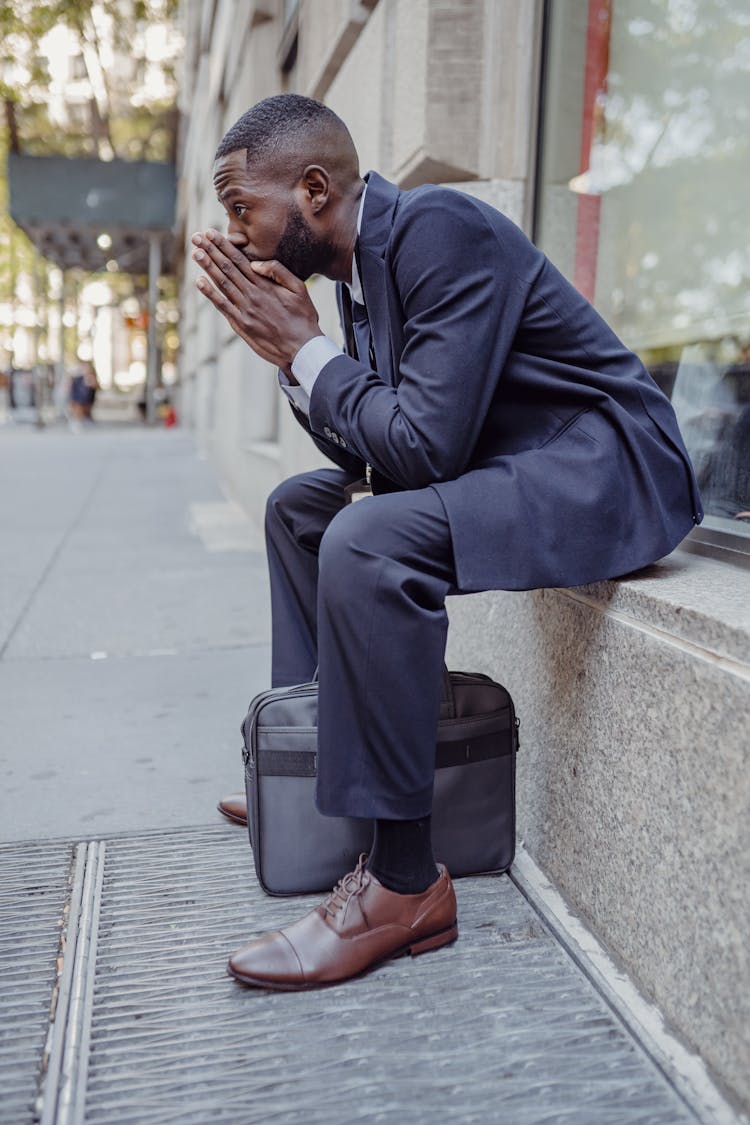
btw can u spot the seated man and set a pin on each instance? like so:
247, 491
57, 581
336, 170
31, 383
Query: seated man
511, 440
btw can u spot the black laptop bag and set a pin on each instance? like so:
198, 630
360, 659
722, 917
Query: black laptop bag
296, 850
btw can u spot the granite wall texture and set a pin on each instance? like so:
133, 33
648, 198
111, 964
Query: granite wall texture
634, 775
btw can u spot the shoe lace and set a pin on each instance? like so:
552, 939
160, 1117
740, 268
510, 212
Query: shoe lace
351, 884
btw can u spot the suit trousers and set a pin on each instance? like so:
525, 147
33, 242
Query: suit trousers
359, 590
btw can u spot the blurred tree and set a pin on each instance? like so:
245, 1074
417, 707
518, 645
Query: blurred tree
129, 95
80, 78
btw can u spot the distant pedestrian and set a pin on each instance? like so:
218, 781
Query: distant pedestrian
82, 395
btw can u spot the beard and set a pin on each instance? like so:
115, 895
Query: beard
299, 250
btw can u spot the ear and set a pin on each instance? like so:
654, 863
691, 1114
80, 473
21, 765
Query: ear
316, 184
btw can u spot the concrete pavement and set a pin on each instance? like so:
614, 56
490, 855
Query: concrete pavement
134, 628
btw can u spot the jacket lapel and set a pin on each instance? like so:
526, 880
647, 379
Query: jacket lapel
378, 215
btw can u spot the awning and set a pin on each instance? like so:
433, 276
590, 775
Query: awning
66, 205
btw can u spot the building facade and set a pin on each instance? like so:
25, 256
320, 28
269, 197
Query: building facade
616, 136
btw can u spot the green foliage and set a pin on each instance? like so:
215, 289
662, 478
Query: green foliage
111, 122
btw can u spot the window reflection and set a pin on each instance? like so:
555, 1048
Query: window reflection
644, 180
711, 397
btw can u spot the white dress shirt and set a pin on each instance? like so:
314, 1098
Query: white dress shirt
315, 354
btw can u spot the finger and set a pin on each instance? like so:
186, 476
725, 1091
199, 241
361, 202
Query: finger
224, 276
274, 271
227, 257
237, 323
219, 301
223, 251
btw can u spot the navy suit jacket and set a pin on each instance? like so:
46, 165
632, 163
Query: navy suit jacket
557, 458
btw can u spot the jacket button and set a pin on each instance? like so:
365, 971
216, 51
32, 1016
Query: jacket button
342, 443
327, 431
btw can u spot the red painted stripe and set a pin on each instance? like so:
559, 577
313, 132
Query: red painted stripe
592, 110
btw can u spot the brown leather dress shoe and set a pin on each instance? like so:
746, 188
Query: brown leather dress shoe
234, 808
360, 925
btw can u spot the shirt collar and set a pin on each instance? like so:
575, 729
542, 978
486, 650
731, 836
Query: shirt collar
355, 288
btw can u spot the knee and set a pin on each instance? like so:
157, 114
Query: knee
285, 499
349, 543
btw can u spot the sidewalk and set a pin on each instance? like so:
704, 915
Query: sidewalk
134, 628
129, 648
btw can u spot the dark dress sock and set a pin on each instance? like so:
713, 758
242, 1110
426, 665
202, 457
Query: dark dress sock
401, 856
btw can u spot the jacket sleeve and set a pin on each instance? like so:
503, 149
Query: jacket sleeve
462, 301
347, 461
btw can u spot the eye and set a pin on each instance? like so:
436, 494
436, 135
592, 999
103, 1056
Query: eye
239, 209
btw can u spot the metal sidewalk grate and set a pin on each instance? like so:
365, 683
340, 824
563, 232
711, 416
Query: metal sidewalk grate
501, 1026
34, 882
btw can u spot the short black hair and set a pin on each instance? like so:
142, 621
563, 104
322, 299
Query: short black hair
277, 125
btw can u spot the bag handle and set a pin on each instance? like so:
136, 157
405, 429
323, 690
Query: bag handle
448, 702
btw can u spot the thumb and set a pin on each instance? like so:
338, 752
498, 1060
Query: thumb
274, 271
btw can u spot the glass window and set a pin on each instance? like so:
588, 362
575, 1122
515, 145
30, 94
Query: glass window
642, 202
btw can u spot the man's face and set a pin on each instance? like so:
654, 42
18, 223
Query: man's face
265, 219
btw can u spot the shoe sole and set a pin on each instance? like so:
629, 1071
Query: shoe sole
230, 816
424, 945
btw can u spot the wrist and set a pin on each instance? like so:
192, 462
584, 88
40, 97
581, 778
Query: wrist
300, 345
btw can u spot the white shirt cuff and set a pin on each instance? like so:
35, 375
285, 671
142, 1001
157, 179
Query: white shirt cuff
311, 359
296, 395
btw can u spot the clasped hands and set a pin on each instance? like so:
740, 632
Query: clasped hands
265, 304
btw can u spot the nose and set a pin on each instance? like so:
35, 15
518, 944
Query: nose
235, 234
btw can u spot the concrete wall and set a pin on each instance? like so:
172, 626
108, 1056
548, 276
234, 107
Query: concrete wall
634, 696
634, 774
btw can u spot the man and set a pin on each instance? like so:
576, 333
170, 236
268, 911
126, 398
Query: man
512, 443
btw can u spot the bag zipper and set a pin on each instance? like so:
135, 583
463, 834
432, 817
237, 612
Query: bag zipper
488, 717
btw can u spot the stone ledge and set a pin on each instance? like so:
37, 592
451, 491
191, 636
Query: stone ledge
703, 601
